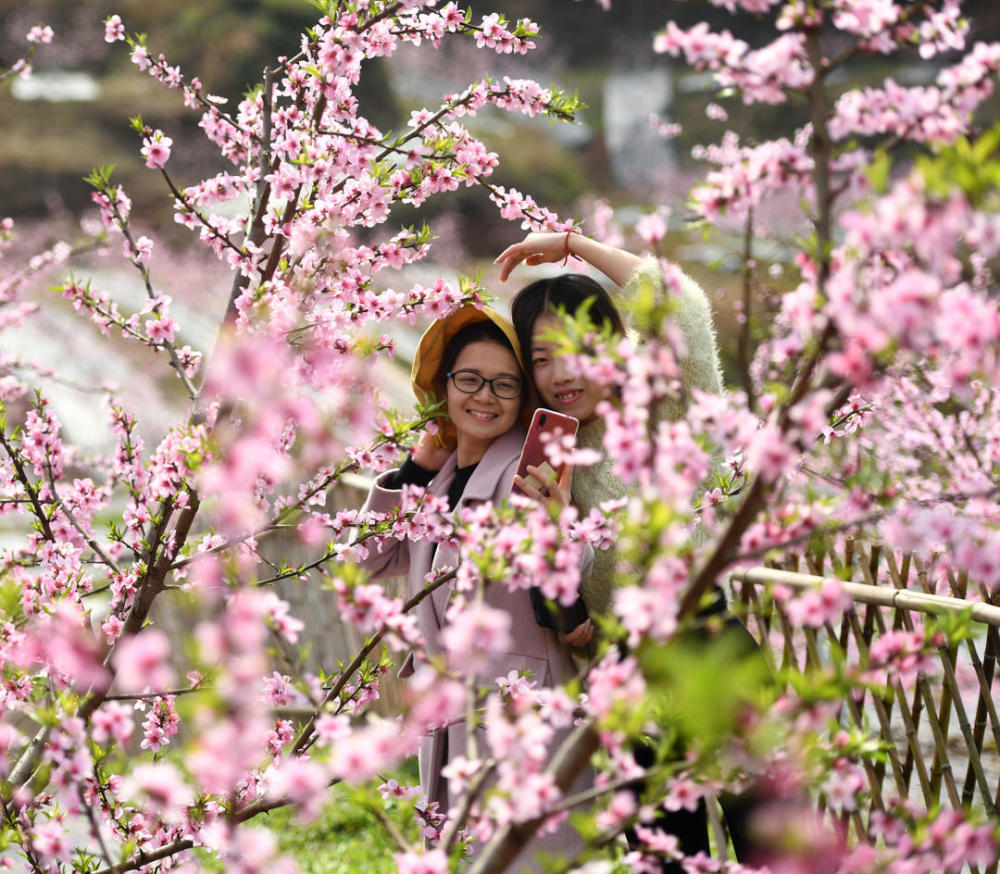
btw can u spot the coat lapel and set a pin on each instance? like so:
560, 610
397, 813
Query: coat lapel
483, 485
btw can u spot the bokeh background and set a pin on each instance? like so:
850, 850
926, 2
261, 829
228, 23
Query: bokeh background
73, 114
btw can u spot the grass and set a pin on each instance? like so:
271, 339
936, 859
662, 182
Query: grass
344, 839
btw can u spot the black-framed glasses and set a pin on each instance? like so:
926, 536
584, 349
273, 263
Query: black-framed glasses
469, 382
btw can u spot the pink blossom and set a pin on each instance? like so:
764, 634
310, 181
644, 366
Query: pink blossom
160, 724
429, 862
652, 227
682, 794
716, 112
40, 33
770, 454
612, 681
622, 806
304, 782
162, 788
278, 689
646, 613
114, 30
143, 250
815, 607
51, 841
61, 639
844, 785
113, 722
474, 635
156, 150
368, 750
658, 840
141, 662
667, 130
433, 701
331, 728
392, 789
161, 330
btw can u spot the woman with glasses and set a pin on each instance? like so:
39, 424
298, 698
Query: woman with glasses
472, 360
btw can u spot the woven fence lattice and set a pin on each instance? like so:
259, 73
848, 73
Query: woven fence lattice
940, 732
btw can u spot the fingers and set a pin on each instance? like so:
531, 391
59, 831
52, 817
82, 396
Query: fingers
553, 491
506, 253
514, 255
528, 489
566, 479
543, 472
506, 265
559, 496
546, 476
579, 636
510, 257
532, 250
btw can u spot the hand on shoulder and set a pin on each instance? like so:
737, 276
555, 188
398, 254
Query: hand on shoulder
428, 454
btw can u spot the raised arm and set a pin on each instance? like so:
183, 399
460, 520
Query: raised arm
546, 248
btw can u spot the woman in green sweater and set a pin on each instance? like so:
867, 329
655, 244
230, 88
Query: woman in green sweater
561, 387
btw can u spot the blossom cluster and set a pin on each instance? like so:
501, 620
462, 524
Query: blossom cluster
869, 407
763, 75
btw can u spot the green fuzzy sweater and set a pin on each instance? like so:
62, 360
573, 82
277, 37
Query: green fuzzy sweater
595, 484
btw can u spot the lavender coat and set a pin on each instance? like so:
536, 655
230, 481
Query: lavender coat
532, 647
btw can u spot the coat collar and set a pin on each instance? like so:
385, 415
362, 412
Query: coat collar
482, 484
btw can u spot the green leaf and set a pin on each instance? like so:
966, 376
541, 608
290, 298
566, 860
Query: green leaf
10, 601
100, 177
702, 684
878, 171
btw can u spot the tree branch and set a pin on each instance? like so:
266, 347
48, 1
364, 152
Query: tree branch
569, 761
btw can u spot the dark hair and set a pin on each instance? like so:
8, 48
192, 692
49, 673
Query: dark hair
567, 292
477, 331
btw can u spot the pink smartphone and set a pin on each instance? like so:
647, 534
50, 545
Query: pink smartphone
533, 453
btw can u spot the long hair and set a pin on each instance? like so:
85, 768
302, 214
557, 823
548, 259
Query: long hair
567, 292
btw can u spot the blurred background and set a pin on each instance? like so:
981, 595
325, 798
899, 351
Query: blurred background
73, 114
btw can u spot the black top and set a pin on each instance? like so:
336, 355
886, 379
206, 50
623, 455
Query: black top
413, 474
410, 474
458, 484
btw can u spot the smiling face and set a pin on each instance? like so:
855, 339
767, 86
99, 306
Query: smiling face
481, 417
560, 387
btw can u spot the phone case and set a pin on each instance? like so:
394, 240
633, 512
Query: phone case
547, 615
533, 453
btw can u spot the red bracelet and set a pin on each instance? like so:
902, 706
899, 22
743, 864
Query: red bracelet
566, 251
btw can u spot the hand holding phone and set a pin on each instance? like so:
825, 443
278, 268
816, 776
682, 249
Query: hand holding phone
544, 422
572, 622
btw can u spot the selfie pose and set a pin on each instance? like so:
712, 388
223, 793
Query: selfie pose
560, 386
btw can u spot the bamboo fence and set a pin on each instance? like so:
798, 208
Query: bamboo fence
940, 734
